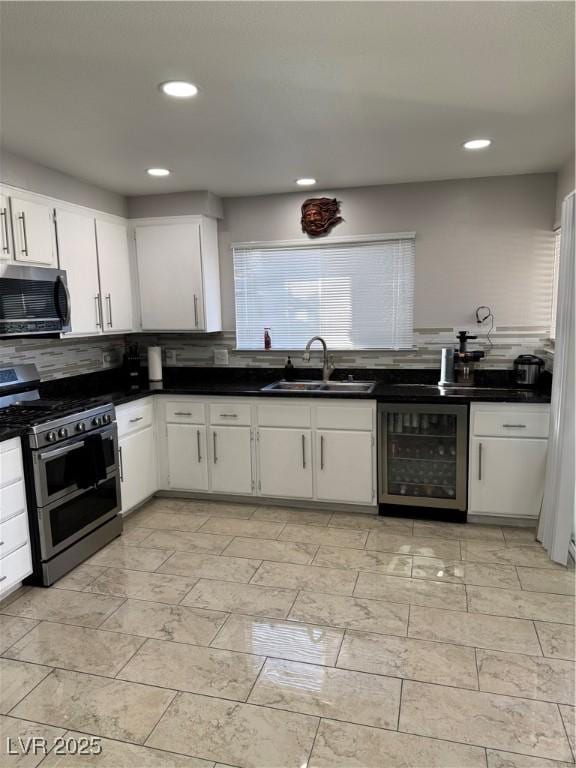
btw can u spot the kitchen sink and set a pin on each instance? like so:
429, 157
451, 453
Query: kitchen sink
341, 387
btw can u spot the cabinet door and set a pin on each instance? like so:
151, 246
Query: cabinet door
34, 236
344, 466
137, 467
285, 460
77, 255
6, 244
187, 457
170, 277
231, 454
115, 276
506, 476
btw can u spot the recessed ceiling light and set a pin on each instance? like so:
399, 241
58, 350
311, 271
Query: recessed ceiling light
305, 182
477, 143
158, 171
180, 89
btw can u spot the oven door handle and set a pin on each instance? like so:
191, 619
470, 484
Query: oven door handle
61, 451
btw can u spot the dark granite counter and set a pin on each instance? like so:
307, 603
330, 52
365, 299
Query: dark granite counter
7, 433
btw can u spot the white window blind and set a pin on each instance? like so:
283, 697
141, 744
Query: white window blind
357, 295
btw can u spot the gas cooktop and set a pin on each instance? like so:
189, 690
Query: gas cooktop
29, 413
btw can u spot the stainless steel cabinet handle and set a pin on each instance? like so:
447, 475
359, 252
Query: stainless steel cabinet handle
1, 543
215, 452
121, 464
98, 309
138, 418
22, 219
321, 451
182, 413
303, 451
2, 578
198, 445
109, 300
515, 426
479, 461
5, 235
228, 415
196, 310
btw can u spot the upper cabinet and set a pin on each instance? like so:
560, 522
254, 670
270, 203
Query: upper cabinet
77, 255
178, 274
6, 242
34, 238
115, 276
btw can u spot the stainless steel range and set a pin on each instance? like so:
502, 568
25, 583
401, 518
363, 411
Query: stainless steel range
71, 463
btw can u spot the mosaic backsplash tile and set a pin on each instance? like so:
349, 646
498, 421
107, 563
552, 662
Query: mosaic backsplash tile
56, 358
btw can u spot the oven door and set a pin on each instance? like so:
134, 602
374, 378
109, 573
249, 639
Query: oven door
68, 520
64, 469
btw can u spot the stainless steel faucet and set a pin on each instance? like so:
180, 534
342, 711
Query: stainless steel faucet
328, 363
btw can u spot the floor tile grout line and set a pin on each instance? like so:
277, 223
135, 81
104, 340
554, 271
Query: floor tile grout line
400, 704
313, 741
21, 699
572, 750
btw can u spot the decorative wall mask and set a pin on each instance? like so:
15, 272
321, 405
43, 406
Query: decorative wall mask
319, 215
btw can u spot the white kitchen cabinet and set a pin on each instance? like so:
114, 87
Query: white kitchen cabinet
344, 466
15, 554
178, 274
115, 276
137, 452
6, 242
34, 236
231, 459
77, 255
507, 476
187, 457
507, 463
285, 462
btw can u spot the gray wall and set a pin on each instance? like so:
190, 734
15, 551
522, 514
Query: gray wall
478, 241
20, 172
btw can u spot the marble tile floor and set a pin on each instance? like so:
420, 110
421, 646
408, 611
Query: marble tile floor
218, 635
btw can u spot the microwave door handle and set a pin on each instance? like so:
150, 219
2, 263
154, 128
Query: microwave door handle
63, 313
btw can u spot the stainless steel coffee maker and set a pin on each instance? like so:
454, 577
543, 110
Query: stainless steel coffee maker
457, 365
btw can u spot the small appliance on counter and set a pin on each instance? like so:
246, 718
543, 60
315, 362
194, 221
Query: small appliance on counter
133, 367
528, 369
457, 366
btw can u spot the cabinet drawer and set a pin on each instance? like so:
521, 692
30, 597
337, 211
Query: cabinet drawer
12, 500
181, 412
10, 461
133, 417
14, 568
230, 413
511, 423
343, 417
284, 415
13, 534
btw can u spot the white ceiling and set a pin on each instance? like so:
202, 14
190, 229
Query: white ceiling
352, 93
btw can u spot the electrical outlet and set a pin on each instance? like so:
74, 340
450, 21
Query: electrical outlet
170, 356
110, 358
220, 356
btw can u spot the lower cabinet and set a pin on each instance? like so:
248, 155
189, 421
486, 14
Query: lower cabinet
507, 476
231, 451
137, 467
15, 555
344, 466
187, 457
507, 464
285, 462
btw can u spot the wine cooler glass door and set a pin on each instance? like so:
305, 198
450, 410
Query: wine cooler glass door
423, 455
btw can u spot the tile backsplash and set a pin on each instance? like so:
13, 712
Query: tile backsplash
57, 358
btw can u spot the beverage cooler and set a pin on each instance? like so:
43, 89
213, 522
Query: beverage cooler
423, 455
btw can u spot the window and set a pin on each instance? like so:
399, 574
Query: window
557, 236
357, 295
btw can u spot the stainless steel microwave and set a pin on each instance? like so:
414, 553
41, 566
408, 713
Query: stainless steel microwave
33, 301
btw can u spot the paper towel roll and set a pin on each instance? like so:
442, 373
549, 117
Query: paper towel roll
155, 363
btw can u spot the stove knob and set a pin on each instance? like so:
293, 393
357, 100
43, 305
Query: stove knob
80, 427
107, 418
96, 421
63, 432
51, 436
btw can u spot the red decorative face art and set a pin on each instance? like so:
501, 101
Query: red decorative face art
319, 215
